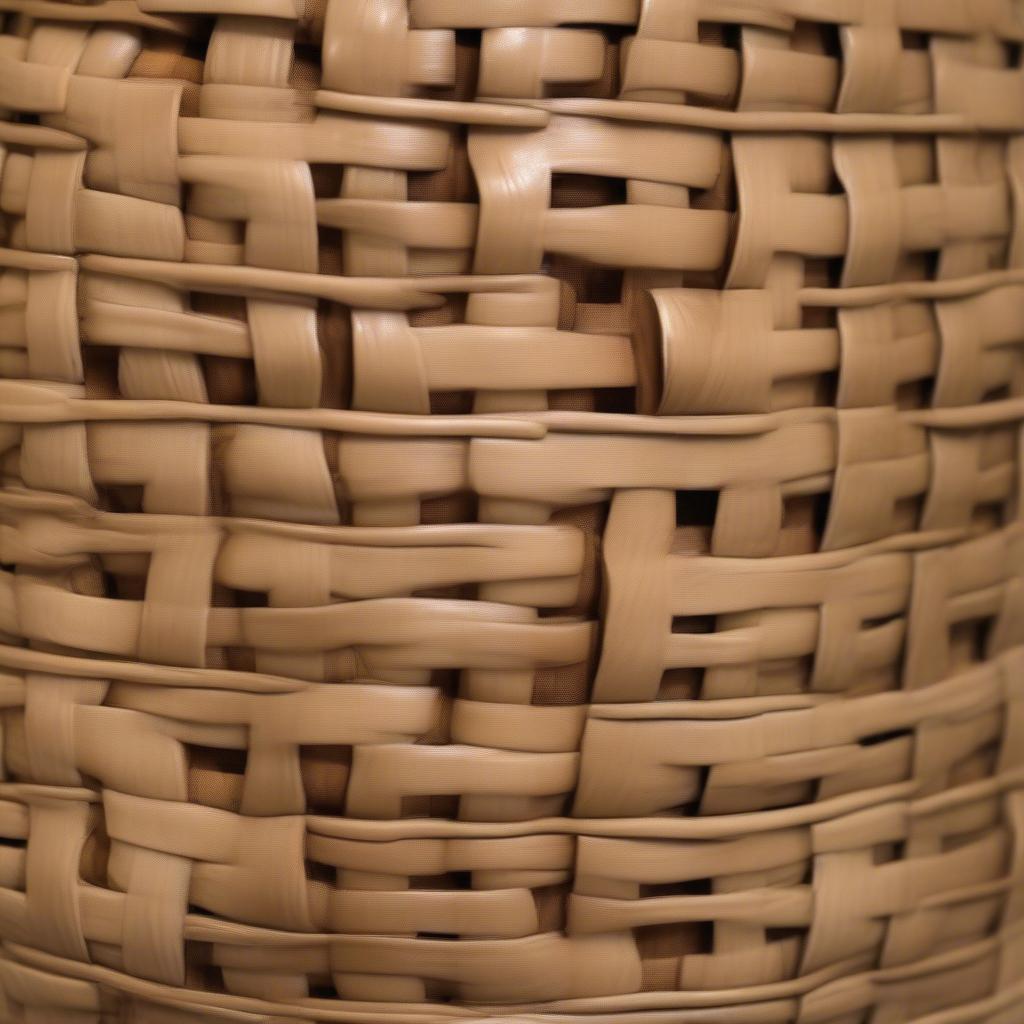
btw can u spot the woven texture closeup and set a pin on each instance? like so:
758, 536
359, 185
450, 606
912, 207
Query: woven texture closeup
511, 511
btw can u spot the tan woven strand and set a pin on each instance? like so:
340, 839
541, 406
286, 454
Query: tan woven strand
511, 511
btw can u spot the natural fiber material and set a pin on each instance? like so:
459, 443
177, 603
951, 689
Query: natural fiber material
511, 510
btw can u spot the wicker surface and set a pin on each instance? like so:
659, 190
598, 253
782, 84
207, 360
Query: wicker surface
511, 511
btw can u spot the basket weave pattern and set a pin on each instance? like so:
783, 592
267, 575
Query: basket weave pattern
511, 510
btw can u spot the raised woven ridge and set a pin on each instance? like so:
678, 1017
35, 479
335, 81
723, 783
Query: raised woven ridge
511, 510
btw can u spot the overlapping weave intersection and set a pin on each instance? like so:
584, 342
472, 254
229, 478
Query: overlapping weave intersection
511, 511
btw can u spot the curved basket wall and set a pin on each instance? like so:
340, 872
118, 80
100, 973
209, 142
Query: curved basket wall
511, 511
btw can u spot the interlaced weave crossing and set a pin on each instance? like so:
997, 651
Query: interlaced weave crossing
511, 510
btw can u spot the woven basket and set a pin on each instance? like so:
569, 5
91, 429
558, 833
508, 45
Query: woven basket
511, 510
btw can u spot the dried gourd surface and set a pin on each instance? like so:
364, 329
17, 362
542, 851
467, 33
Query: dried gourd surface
511, 511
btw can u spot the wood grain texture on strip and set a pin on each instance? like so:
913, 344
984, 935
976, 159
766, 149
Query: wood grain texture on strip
512, 511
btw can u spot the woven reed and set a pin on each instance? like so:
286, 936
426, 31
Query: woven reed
511, 510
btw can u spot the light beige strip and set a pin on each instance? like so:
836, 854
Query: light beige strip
903, 291
28, 402
769, 121
125, 12
23, 259
39, 136
498, 114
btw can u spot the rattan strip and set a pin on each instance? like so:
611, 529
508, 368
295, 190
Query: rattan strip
511, 511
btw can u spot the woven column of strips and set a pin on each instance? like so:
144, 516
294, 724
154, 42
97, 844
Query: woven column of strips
511, 511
